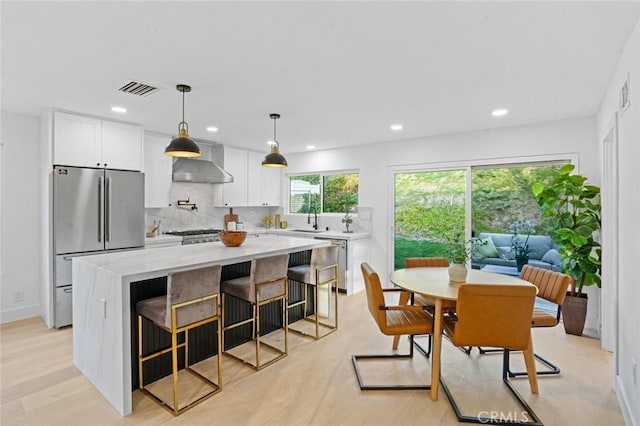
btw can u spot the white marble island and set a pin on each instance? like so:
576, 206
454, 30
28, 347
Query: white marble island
101, 301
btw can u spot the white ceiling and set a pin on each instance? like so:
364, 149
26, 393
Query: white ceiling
339, 73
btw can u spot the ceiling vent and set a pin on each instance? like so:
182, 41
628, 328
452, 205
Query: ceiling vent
138, 89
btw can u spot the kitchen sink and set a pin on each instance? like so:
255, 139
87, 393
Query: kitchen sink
312, 231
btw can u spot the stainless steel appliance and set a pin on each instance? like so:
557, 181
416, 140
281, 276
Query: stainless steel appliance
94, 210
342, 262
195, 236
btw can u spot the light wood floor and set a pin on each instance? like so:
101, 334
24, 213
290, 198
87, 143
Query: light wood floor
314, 385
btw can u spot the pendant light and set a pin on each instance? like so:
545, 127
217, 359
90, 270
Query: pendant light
274, 158
182, 146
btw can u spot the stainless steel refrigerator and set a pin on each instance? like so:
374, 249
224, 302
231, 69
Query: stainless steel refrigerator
94, 210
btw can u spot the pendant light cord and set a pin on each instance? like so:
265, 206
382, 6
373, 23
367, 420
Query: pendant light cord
275, 140
183, 106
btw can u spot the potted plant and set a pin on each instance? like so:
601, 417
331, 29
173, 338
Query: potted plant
459, 252
571, 210
520, 246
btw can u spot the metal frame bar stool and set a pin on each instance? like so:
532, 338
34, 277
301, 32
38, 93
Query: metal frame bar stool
192, 300
266, 283
321, 271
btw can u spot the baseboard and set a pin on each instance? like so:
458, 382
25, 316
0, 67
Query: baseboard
625, 405
17, 314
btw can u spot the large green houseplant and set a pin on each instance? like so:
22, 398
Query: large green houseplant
571, 211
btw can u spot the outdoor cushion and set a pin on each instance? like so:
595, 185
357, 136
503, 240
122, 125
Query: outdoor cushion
486, 249
552, 256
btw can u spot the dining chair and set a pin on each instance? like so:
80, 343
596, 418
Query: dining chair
497, 316
420, 300
266, 283
320, 272
391, 320
552, 287
192, 300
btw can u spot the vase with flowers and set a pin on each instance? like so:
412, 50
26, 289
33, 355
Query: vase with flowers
521, 230
347, 220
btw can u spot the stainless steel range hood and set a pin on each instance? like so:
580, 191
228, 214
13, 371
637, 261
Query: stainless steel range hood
199, 171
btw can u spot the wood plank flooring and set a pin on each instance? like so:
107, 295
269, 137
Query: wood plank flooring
315, 384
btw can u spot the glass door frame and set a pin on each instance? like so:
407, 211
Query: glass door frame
468, 165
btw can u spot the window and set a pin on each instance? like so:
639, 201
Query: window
323, 193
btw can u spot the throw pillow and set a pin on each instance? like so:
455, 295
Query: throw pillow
552, 256
486, 249
506, 253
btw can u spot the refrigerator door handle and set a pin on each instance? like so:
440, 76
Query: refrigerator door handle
107, 201
100, 208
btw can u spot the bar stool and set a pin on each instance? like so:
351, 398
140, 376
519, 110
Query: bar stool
266, 283
322, 271
192, 300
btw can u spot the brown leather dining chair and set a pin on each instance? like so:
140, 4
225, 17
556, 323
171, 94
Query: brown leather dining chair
497, 316
552, 287
418, 299
392, 321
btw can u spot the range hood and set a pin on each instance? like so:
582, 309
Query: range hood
199, 171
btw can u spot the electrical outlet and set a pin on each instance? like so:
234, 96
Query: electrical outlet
18, 296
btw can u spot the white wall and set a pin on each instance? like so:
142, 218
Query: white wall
20, 205
570, 138
628, 388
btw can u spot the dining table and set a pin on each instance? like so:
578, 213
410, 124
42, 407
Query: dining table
434, 284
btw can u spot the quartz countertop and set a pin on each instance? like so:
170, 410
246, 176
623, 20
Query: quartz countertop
329, 235
141, 264
162, 239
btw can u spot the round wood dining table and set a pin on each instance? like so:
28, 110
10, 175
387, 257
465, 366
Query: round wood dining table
434, 284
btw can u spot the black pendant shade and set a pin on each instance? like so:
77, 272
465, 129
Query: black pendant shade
274, 158
182, 146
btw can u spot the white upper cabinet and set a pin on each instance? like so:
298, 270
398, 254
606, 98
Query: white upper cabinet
76, 140
90, 142
253, 185
157, 172
235, 193
263, 187
121, 146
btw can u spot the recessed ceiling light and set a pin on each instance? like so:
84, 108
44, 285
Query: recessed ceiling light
212, 129
396, 127
501, 112
119, 109
311, 147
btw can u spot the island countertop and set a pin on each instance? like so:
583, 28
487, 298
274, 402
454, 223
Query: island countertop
144, 264
102, 304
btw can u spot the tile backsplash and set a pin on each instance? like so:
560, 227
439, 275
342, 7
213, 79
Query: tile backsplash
176, 217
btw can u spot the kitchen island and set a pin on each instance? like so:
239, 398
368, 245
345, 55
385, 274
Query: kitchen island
102, 314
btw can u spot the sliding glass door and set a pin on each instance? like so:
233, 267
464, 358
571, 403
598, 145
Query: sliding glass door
428, 204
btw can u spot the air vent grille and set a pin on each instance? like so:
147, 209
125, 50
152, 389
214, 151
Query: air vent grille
138, 89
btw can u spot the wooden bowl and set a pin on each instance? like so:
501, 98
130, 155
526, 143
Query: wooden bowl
232, 238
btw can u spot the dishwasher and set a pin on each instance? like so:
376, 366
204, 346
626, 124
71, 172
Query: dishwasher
342, 262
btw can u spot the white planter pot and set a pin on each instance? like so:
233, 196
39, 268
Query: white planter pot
457, 273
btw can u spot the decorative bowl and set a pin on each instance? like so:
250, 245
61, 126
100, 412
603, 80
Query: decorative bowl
232, 238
